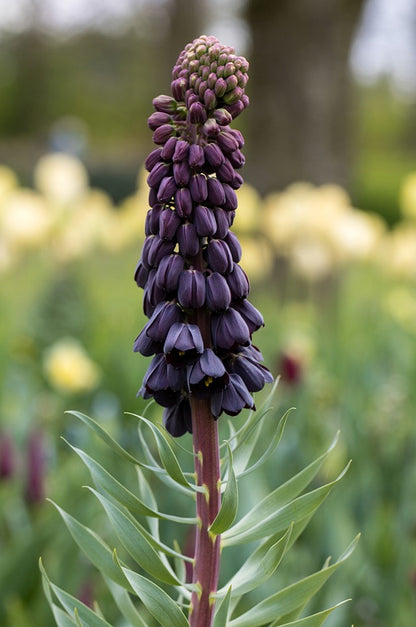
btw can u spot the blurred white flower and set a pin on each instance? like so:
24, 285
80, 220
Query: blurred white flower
68, 367
25, 221
62, 178
408, 196
8, 182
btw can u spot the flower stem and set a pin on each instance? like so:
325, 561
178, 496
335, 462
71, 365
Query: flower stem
207, 546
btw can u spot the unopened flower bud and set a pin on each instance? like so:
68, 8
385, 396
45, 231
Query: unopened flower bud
196, 156
204, 221
218, 295
188, 240
162, 133
218, 256
157, 119
166, 104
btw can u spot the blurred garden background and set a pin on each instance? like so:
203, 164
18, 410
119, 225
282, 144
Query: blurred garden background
327, 222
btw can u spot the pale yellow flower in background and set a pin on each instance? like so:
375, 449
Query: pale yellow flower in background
397, 252
311, 259
25, 221
249, 213
407, 196
356, 234
257, 257
84, 226
8, 182
126, 226
68, 367
62, 178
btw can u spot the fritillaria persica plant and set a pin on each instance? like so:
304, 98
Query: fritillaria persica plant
203, 366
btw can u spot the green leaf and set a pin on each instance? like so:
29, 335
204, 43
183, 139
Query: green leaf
138, 542
163, 476
274, 443
162, 607
167, 456
315, 620
71, 604
124, 602
62, 619
106, 437
260, 565
229, 504
281, 501
121, 494
291, 597
221, 613
93, 547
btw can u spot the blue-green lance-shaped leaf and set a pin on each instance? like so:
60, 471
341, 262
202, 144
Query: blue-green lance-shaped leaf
167, 456
159, 604
121, 494
163, 476
72, 605
229, 504
260, 565
280, 502
222, 611
107, 439
93, 546
124, 602
291, 597
138, 542
315, 620
274, 443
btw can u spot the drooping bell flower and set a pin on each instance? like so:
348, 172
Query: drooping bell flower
195, 292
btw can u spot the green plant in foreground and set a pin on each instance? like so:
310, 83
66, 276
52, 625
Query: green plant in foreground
199, 331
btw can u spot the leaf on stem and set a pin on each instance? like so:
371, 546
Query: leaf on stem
229, 504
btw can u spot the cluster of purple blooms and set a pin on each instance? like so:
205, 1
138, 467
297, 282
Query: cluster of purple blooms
195, 292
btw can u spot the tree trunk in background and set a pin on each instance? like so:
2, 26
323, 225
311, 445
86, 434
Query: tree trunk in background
300, 82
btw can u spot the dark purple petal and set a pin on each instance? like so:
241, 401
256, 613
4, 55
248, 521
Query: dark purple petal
167, 189
227, 142
162, 133
140, 275
169, 222
208, 375
176, 373
168, 272
225, 172
218, 295
234, 246
254, 375
157, 119
251, 315
216, 195
198, 188
166, 397
237, 181
166, 104
196, 156
191, 289
153, 292
152, 220
183, 202
214, 155
178, 87
169, 148
204, 221
156, 377
178, 419
181, 151
197, 113
159, 248
238, 282
236, 397
222, 222
237, 159
188, 240
231, 201
158, 172
154, 157
218, 256
181, 173
163, 317
145, 345
222, 116
229, 329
